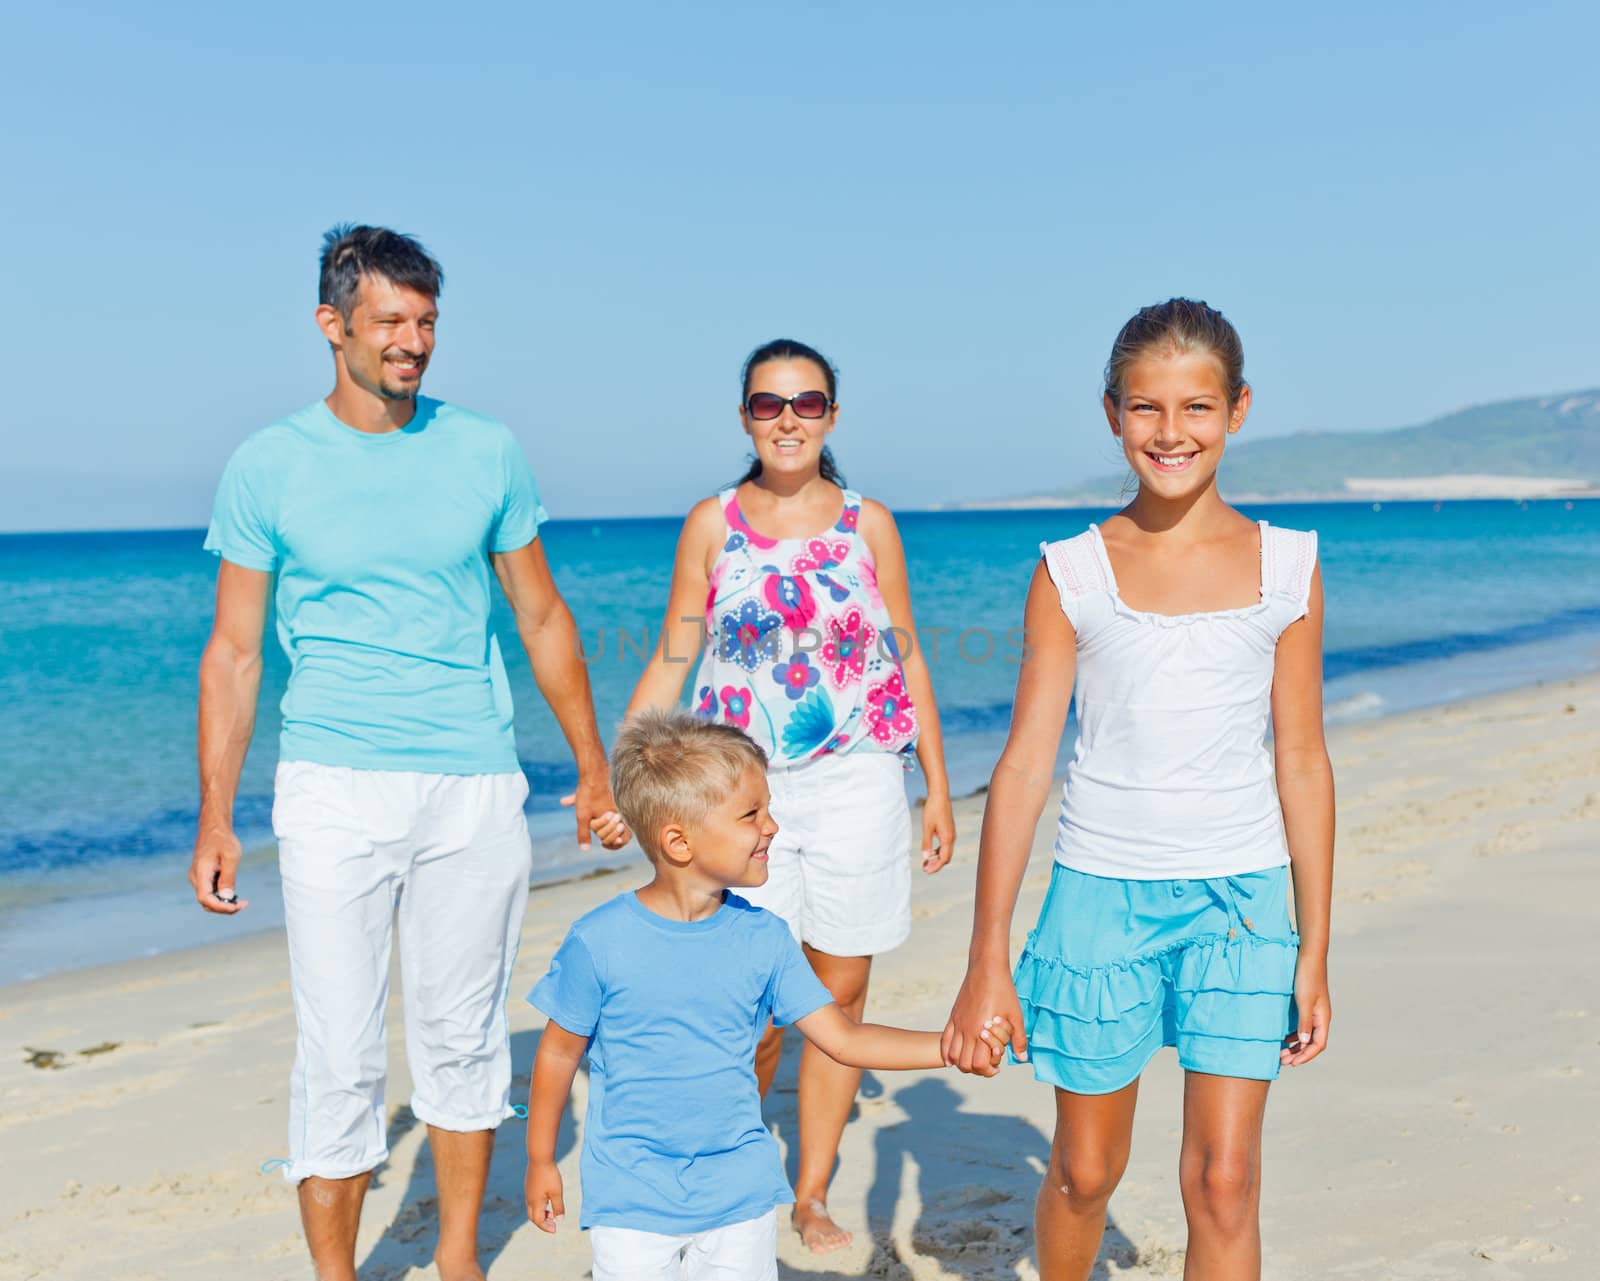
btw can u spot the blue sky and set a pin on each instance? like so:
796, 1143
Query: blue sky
959, 203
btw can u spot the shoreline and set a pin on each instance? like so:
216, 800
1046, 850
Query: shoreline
1435, 1139
1377, 490
1359, 710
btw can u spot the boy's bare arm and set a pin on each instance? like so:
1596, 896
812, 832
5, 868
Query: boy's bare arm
556, 1063
871, 1045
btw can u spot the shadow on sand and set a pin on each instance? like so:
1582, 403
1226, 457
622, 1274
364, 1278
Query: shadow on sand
408, 1241
952, 1187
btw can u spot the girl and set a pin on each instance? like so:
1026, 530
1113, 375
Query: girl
1185, 625
794, 587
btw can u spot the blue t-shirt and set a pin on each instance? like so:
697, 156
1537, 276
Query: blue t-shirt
381, 546
673, 1140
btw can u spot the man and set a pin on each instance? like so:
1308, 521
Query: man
382, 513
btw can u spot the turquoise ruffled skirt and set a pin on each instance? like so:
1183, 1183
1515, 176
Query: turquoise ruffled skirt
1115, 969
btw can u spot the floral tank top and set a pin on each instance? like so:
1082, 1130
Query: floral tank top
800, 651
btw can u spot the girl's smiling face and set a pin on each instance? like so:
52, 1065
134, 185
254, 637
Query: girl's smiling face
1174, 420
788, 443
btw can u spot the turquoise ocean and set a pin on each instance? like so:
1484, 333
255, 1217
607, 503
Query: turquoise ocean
100, 635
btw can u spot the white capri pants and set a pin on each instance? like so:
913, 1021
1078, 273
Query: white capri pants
839, 870
745, 1251
449, 855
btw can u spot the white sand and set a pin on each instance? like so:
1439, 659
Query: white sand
1449, 1132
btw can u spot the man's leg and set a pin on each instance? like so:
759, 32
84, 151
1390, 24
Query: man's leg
460, 921
461, 1171
338, 892
330, 1213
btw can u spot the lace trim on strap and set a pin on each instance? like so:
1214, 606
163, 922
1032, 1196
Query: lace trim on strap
1289, 558
1076, 571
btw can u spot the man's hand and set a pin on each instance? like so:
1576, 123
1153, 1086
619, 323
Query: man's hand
214, 870
542, 1188
597, 813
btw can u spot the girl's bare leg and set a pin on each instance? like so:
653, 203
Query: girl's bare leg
1220, 1172
1094, 1134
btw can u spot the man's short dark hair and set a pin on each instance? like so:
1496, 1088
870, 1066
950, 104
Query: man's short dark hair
350, 252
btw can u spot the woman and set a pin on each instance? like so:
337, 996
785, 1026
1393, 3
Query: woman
794, 590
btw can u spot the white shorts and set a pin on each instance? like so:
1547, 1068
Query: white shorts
745, 1251
839, 870
451, 853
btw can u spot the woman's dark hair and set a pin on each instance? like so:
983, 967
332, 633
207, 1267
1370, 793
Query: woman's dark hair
349, 253
789, 349
1179, 324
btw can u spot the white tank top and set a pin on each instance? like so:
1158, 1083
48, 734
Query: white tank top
1172, 777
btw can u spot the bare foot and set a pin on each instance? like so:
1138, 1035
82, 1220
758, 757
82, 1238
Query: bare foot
820, 1233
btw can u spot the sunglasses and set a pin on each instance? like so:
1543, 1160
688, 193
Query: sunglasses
764, 405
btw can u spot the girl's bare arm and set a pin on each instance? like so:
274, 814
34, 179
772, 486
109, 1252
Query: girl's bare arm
1017, 793
1305, 793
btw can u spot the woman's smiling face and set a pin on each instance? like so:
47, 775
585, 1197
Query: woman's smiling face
788, 443
1174, 420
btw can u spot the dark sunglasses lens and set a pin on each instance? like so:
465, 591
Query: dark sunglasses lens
811, 404
764, 405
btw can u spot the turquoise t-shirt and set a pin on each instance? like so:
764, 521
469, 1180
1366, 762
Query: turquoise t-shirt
673, 1140
381, 547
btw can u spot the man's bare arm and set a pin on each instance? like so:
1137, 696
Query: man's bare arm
230, 680
550, 637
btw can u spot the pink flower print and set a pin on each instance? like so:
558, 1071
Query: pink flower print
889, 714
796, 676
834, 744
844, 652
868, 576
821, 553
705, 706
791, 597
737, 521
848, 519
736, 705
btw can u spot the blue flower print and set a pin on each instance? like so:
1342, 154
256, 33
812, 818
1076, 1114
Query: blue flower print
747, 637
797, 676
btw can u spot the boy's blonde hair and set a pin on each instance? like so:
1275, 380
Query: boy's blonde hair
673, 767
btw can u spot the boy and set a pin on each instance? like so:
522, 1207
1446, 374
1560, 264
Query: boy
667, 989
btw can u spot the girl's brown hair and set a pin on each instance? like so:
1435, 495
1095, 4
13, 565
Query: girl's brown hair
1177, 325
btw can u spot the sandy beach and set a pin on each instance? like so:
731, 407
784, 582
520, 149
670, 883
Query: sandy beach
1449, 1132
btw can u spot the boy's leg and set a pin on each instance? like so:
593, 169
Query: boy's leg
460, 919
626, 1254
827, 1093
1094, 1134
740, 1252
1220, 1173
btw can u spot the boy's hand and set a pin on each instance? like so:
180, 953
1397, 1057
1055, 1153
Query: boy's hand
996, 1035
542, 1188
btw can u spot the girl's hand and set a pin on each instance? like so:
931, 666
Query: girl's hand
987, 994
938, 832
542, 1188
994, 1034
1316, 1012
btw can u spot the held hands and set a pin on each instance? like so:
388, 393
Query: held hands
597, 812
214, 870
542, 1188
973, 1040
1316, 1012
993, 1035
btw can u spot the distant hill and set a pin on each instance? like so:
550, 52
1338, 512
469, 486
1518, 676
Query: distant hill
1514, 448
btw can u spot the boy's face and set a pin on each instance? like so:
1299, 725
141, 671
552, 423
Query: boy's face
730, 845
